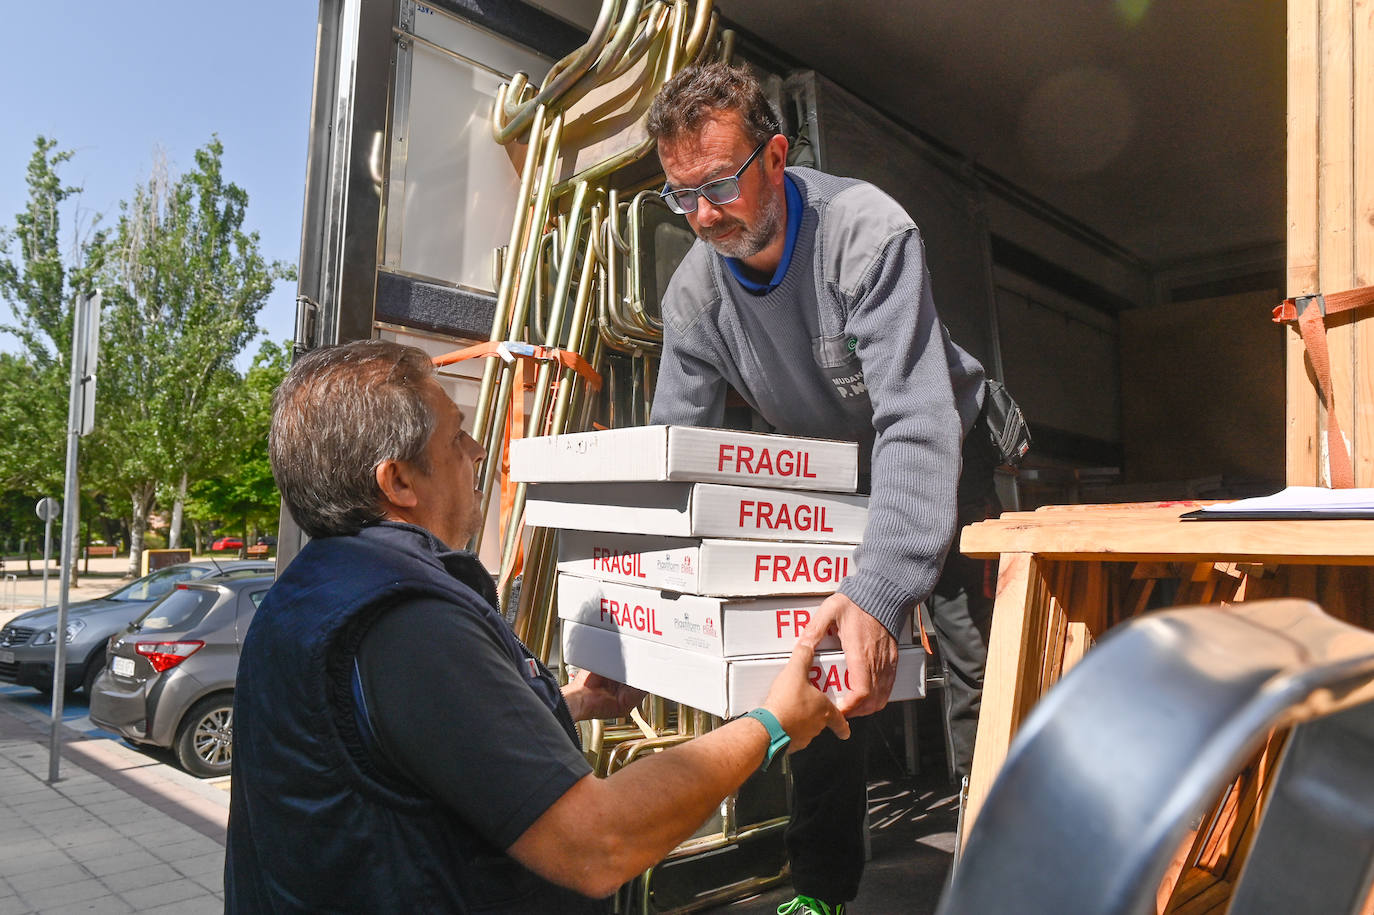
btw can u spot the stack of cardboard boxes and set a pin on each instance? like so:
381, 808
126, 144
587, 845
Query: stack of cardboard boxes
691, 559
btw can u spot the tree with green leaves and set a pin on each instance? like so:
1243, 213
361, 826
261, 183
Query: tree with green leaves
40, 278
183, 283
242, 494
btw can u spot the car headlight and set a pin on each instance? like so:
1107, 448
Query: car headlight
47, 636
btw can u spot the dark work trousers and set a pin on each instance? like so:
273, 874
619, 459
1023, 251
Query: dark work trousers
830, 777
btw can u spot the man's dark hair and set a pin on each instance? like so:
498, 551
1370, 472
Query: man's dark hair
700, 92
340, 412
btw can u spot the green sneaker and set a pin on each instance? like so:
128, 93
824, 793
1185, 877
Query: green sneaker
807, 905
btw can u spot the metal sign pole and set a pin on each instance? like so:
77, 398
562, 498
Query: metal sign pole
47, 509
80, 417
47, 556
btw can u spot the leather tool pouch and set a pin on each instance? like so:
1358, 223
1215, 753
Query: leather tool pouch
1011, 437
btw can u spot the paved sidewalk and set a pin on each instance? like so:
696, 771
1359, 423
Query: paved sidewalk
118, 831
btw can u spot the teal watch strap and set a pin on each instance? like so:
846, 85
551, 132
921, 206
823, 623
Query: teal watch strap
777, 737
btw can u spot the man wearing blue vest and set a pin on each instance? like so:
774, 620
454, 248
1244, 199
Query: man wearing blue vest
395, 747
809, 296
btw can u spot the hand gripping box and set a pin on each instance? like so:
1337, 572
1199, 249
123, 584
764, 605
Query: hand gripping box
719, 686
698, 510
715, 568
709, 625
687, 454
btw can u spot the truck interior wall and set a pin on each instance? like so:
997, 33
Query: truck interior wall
1061, 363
1053, 335
1252, 269
856, 140
1200, 391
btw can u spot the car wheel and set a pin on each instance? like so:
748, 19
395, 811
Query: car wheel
205, 741
93, 668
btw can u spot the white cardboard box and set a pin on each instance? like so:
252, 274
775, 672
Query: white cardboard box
715, 568
686, 453
719, 686
710, 625
698, 510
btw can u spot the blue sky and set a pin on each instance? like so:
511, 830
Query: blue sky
115, 81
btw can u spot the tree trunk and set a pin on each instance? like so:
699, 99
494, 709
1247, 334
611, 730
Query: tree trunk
195, 528
142, 497
178, 510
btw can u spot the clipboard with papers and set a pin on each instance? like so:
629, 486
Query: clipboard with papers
1307, 503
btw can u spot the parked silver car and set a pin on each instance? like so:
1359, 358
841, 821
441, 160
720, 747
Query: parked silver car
170, 677
28, 642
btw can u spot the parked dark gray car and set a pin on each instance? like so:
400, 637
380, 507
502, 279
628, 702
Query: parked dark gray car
170, 677
29, 641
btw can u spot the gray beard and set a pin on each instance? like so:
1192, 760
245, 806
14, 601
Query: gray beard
751, 241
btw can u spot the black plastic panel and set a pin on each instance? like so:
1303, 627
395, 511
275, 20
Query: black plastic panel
435, 307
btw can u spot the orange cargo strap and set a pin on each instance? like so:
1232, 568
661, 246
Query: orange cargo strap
921, 628
1309, 312
515, 425
510, 350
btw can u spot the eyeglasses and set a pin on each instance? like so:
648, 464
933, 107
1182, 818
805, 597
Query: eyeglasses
719, 192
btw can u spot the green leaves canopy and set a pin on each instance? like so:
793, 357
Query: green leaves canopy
183, 283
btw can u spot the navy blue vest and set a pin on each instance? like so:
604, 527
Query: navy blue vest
314, 825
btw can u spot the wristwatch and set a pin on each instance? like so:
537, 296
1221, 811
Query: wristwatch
777, 737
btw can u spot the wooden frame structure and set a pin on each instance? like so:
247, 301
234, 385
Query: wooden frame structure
1331, 222
1069, 573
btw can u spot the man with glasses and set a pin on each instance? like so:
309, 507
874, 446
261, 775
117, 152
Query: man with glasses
809, 296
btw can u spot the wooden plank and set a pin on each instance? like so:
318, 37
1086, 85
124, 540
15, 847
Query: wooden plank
1215, 895
1077, 640
1336, 193
1300, 581
1207, 591
1091, 600
1155, 537
1003, 684
1265, 769
1363, 220
1171, 888
1189, 885
1210, 857
1154, 570
1139, 596
1052, 657
1302, 420
1044, 606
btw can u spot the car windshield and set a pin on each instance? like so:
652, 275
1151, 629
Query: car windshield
159, 583
179, 610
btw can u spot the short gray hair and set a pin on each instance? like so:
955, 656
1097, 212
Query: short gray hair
700, 92
340, 412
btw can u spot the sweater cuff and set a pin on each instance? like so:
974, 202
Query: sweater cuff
886, 602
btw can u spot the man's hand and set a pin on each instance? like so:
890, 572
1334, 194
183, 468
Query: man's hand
591, 695
800, 708
870, 653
